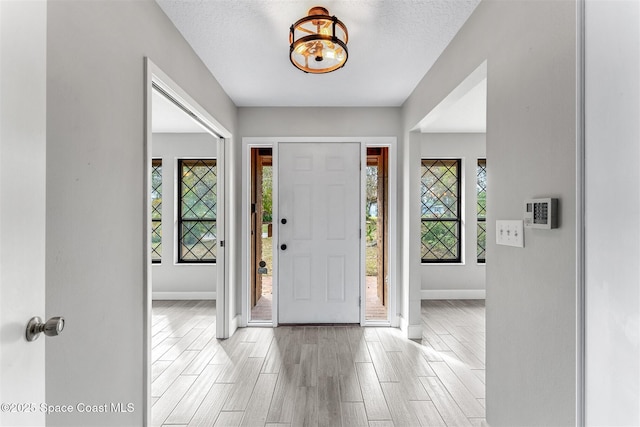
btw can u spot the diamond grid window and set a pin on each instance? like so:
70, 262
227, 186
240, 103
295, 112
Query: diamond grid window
198, 206
440, 211
156, 210
481, 186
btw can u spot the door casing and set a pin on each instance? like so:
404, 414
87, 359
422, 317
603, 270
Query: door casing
272, 142
154, 76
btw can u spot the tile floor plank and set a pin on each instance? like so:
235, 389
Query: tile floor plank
382, 424
187, 407
464, 353
309, 365
374, 401
211, 405
204, 357
158, 368
384, 368
427, 414
408, 377
180, 346
353, 414
229, 419
358, 345
284, 395
446, 405
261, 347
160, 349
236, 362
275, 355
463, 397
165, 379
294, 346
390, 339
258, 406
327, 353
401, 415
165, 405
306, 407
329, 402
204, 338
243, 388
467, 376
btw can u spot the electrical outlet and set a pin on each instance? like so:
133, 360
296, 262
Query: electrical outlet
510, 233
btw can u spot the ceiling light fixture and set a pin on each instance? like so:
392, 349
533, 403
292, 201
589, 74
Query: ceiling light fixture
318, 42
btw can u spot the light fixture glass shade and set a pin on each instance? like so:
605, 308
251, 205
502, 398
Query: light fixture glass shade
318, 42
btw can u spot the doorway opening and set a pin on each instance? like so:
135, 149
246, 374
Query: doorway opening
261, 287
377, 234
184, 239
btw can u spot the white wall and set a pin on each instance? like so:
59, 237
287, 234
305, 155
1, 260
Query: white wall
319, 121
170, 279
23, 119
466, 280
612, 139
530, 48
95, 193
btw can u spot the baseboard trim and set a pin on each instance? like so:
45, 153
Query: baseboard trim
453, 294
183, 295
235, 322
413, 332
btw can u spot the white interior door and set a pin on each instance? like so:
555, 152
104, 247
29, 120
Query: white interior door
23, 43
319, 232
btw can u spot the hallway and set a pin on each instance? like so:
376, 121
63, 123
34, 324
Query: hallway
333, 375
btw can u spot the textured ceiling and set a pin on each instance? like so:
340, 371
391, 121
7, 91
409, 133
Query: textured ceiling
245, 44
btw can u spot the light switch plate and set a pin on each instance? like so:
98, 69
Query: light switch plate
510, 233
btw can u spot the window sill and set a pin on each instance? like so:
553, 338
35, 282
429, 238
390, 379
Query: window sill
440, 264
195, 264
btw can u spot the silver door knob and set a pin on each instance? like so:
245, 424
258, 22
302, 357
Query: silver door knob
51, 327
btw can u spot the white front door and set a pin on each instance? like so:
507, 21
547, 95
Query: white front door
319, 232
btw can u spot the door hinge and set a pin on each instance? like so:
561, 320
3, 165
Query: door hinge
360, 302
222, 243
360, 233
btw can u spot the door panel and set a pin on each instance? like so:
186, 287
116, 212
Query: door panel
23, 181
319, 243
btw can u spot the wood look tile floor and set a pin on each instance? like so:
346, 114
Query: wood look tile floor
318, 376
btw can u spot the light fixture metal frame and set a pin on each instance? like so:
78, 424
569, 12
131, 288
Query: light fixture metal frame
293, 43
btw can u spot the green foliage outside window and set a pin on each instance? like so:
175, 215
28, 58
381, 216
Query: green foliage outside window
267, 194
